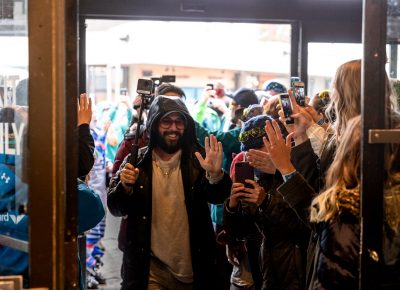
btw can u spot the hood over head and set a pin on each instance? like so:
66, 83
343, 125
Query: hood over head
163, 105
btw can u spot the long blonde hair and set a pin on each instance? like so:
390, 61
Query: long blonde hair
343, 173
346, 96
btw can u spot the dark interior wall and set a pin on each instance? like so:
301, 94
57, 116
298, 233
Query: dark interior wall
332, 31
327, 21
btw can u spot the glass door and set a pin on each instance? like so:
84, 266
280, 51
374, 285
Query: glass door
14, 221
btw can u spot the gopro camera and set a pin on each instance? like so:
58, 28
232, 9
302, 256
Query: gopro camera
144, 87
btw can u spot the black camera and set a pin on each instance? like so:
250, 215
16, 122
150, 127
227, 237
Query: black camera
145, 87
163, 79
167, 79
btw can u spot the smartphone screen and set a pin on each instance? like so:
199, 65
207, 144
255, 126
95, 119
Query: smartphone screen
293, 80
243, 171
286, 106
299, 94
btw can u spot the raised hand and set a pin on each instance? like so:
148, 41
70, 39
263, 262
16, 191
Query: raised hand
302, 121
261, 160
278, 149
212, 163
316, 116
84, 110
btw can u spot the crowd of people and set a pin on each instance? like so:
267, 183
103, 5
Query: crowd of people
188, 221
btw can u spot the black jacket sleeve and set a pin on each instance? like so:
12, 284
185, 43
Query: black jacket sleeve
277, 214
237, 223
306, 163
298, 194
86, 150
217, 193
117, 199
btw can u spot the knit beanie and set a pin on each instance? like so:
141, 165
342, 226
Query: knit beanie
245, 97
252, 133
274, 86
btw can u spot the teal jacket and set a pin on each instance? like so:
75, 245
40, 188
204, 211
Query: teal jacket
230, 145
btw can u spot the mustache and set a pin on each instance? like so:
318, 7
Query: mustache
172, 132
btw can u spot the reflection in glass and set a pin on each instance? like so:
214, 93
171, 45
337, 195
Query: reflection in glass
13, 136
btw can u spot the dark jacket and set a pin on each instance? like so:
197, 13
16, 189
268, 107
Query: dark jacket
86, 150
300, 191
285, 238
312, 168
138, 206
333, 252
332, 258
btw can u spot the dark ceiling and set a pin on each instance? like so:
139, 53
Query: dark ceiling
256, 10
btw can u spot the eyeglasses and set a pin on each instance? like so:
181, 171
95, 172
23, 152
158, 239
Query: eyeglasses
166, 123
253, 133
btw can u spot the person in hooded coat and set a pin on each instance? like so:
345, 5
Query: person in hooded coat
170, 238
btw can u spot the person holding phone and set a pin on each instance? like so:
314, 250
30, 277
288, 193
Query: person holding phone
260, 211
303, 166
170, 241
211, 111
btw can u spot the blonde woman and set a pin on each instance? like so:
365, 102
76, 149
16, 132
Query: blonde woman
305, 173
344, 105
335, 213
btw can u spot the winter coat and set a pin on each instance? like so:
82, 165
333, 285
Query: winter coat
138, 206
334, 250
285, 237
300, 191
86, 150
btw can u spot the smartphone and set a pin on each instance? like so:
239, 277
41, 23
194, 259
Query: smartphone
299, 95
243, 171
293, 80
210, 86
286, 106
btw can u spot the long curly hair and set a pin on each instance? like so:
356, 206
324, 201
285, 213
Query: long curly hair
343, 174
345, 97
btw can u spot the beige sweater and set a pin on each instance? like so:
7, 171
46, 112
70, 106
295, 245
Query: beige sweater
170, 227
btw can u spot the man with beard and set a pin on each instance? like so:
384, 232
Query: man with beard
170, 238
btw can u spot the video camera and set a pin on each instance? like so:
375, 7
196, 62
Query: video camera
147, 87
